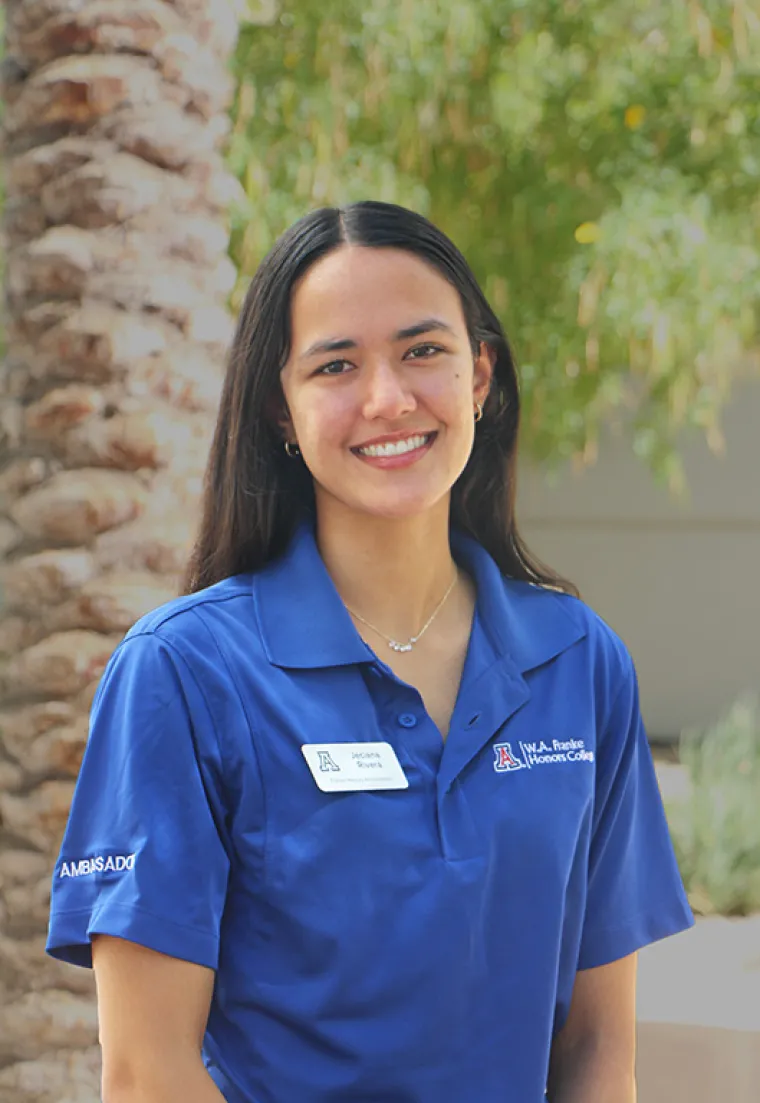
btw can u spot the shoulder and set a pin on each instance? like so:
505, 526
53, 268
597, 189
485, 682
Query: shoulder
179, 614
191, 617
547, 608
537, 624
599, 633
592, 666
190, 636
184, 660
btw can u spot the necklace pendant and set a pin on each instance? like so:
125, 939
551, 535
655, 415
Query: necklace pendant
399, 646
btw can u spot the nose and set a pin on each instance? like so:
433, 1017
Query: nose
388, 395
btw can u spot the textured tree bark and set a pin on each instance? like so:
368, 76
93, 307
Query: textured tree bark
117, 277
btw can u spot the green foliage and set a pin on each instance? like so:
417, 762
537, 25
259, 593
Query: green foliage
597, 161
716, 828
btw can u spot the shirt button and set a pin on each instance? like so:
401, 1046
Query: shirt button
407, 720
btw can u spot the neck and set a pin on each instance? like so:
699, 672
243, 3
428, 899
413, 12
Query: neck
391, 572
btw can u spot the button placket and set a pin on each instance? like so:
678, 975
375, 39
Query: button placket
400, 709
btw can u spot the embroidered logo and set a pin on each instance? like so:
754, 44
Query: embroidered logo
529, 755
504, 760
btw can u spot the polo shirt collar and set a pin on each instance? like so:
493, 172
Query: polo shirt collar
305, 625
303, 621
526, 623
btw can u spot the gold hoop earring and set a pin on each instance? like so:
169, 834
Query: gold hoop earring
478, 411
292, 449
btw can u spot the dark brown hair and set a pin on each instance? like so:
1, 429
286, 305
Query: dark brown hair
255, 496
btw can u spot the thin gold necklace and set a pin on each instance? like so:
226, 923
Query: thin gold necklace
394, 644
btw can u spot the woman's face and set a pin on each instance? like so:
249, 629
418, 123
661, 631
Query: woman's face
381, 382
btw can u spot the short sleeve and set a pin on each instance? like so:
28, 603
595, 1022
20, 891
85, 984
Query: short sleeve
634, 891
143, 856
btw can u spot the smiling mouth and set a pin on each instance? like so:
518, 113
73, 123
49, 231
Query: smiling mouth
396, 447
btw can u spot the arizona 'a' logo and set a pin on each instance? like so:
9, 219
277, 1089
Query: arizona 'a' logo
326, 763
504, 760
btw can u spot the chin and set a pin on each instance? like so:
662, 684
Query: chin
396, 508
391, 503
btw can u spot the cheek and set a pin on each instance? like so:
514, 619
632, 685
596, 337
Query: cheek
449, 393
323, 421
455, 411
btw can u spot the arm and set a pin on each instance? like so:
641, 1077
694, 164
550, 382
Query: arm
153, 1011
593, 1056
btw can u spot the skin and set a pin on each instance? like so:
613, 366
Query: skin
405, 367
383, 525
594, 1055
152, 1012
385, 385
382, 532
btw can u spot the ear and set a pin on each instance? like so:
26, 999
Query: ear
483, 368
278, 414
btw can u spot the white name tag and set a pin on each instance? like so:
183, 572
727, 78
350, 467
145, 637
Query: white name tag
347, 767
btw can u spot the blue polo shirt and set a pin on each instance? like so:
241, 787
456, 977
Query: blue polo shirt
414, 945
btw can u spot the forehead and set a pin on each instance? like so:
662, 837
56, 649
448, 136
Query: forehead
375, 290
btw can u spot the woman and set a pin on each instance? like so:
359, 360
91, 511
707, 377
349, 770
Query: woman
369, 813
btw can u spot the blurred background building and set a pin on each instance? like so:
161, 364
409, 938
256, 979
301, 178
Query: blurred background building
674, 576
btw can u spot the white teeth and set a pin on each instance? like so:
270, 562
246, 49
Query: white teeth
396, 447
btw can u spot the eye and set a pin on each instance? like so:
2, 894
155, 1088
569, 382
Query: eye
335, 367
423, 352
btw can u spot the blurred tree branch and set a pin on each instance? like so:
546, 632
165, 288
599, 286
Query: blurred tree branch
598, 162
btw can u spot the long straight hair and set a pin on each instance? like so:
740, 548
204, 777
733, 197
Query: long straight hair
255, 496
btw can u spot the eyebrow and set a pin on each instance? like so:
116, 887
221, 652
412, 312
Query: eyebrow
337, 344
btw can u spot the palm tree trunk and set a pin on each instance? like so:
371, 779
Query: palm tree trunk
117, 277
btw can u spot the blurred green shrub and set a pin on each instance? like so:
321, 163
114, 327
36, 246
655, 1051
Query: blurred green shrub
716, 826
